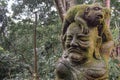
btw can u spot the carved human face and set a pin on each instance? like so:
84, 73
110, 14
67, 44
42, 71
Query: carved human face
79, 46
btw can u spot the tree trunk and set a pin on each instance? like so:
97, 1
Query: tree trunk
63, 5
35, 74
107, 4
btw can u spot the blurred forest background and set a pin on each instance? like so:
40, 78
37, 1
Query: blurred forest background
17, 22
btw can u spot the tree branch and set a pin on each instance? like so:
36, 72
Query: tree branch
60, 7
107, 4
63, 5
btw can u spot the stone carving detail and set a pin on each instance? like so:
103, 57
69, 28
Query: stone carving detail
81, 59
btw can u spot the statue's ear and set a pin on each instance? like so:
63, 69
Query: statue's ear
63, 38
87, 10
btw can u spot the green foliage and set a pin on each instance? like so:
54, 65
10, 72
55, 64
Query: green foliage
47, 13
114, 69
19, 40
49, 50
21, 46
16, 51
10, 65
115, 33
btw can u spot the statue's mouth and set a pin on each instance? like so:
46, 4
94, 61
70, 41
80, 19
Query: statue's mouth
98, 19
76, 51
76, 54
99, 16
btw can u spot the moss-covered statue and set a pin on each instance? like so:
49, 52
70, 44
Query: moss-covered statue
84, 35
81, 59
95, 16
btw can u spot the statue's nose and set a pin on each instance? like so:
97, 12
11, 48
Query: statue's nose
74, 43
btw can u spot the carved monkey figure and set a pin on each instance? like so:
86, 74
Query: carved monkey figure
93, 14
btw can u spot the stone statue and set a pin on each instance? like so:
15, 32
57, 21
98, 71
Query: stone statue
95, 16
83, 47
81, 59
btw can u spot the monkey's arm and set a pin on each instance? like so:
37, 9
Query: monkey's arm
107, 36
107, 41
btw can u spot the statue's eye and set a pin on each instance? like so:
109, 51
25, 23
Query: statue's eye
69, 37
97, 8
82, 38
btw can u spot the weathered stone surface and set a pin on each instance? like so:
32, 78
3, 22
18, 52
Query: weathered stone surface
84, 47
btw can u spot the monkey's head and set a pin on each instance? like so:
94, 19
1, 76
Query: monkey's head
95, 15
